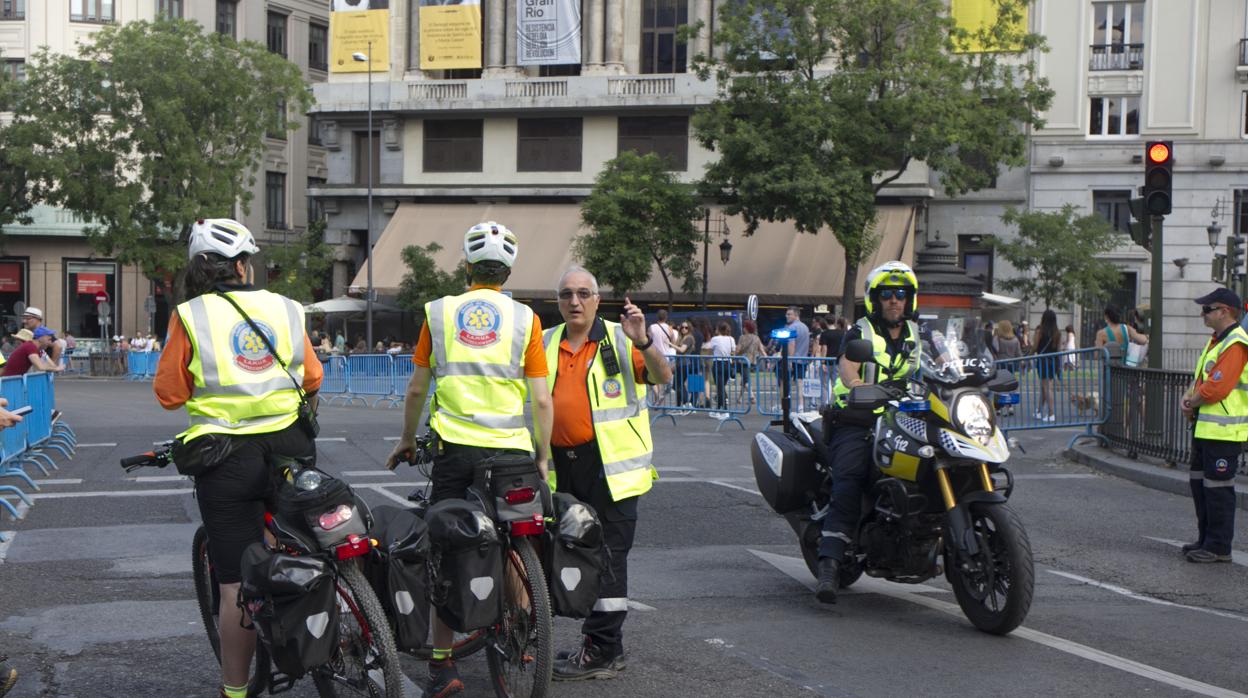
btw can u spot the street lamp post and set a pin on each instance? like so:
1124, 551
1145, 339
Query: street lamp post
725, 250
368, 300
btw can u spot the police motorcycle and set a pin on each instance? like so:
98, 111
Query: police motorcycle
940, 501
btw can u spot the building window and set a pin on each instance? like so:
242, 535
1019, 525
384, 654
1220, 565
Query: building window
668, 136
660, 51
12, 289
91, 11
318, 46
314, 132
12, 9
362, 148
84, 279
316, 209
453, 145
1114, 116
276, 33
548, 145
1243, 110
13, 68
1114, 207
559, 71
275, 200
169, 8
976, 258
279, 130
1241, 211
1117, 36
227, 18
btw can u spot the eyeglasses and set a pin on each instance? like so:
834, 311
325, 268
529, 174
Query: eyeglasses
686, 327
890, 293
583, 294
1206, 309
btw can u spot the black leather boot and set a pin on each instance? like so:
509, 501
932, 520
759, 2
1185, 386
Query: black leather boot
829, 580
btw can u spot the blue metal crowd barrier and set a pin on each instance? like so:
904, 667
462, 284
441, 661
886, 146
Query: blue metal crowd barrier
403, 369
26, 442
370, 376
334, 383
141, 365
716, 386
810, 384
1059, 390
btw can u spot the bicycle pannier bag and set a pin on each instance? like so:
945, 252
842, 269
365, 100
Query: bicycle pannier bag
397, 572
785, 471
468, 555
574, 557
292, 601
328, 511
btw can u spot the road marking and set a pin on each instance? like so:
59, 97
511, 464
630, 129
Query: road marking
381, 490
158, 478
390, 438
721, 483
796, 568
5, 542
368, 473
62, 481
109, 444
1055, 476
639, 606
801, 574
113, 493
340, 439
677, 469
1145, 598
1237, 557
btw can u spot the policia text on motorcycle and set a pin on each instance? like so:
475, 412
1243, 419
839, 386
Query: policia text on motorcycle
485, 352
1217, 403
601, 446
891, 300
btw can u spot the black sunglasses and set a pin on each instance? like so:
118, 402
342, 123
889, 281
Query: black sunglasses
891, 293
1206, 309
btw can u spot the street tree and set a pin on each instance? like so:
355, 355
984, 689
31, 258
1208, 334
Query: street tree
151, 126
425, 281
17, 191
300, 265
823, 103
1060, 253
641, 218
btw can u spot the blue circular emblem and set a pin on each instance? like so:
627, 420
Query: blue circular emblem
1221, 466
611, 388
250, 352
476, 324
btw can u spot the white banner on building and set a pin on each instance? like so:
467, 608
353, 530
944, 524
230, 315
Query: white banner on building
548, 32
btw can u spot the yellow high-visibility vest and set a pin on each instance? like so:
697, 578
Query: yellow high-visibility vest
890, 367
1226, 420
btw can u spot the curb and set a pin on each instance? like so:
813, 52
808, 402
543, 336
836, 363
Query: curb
1151, 476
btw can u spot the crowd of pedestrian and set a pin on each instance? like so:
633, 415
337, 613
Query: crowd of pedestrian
338, 346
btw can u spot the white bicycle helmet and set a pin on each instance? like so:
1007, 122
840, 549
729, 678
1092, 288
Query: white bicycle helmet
224, 236
490, 242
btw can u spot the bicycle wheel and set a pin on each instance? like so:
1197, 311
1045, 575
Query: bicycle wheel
366, 663
208, 594
522, 654
462, 646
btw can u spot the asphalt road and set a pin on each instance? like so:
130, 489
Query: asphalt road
96, 597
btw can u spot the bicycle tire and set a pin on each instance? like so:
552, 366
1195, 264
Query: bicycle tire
364, 615
207, 593
523, 635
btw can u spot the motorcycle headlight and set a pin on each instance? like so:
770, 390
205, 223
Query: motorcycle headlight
974, 416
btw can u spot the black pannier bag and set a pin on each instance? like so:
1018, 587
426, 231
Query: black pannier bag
515, 472
397, 572
468, 555
293, 602
785, 471
574, 557
303, 508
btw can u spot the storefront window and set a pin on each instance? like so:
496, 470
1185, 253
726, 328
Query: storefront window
12, 291
84, 281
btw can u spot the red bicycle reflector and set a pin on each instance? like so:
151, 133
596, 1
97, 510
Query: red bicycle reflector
354, 547
335, 517
1158, 152
523, 495
532, 527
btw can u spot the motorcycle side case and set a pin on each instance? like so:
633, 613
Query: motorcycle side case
785, 471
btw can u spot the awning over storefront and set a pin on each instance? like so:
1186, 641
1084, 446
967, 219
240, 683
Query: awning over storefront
777, 263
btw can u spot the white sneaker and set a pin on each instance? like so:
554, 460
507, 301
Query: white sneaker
722, 416
1039, 416
1051, 418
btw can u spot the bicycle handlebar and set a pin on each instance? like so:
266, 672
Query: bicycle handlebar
158, 458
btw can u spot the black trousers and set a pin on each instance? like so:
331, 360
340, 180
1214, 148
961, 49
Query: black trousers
852, 473
578, 471
1212, 478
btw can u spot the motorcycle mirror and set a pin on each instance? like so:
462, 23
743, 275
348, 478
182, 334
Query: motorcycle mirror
860, 351
1003, 382
867, 397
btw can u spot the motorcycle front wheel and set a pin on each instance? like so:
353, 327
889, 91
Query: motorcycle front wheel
995, 587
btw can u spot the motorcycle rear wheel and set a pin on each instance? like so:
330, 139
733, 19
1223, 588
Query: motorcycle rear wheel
996, 594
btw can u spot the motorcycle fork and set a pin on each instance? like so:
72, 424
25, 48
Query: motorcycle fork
960, 528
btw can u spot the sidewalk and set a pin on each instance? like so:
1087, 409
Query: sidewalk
1146, 472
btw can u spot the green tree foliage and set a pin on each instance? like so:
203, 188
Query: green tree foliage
641, 217
823, 103
425, 281
151, 126
301, 265
1060, 253
17, 191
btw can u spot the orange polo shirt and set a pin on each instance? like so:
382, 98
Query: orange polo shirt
534, 355
1225, 374
574, 423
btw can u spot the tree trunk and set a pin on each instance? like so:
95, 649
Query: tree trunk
666, 282
849, 290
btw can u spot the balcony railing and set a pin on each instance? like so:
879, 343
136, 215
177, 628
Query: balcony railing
1118, 57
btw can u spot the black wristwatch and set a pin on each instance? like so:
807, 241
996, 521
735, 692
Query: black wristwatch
643, 347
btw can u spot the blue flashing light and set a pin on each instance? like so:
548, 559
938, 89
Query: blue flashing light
782, 334
914, 406
1008, 399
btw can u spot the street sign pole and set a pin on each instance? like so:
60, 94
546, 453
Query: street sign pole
1154, 292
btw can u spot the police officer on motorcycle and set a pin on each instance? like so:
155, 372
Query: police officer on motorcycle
892, 302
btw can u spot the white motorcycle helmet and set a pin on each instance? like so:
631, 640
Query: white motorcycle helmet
490, 242
222, 236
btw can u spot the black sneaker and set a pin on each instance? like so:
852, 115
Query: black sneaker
589, 662
443, 680
829, 580
619, 663
1189, 547
1200, 555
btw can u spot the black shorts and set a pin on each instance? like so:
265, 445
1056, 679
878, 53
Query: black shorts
455, 466
232, 497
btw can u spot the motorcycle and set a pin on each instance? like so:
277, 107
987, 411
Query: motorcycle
942, 489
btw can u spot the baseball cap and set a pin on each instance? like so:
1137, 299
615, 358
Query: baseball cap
24, 335
33, 312
43, 332
1225, 296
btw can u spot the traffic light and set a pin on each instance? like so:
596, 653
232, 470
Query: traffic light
1219, 268
1235, 254
1158, 176
1141, 228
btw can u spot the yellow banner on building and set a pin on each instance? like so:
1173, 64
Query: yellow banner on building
974, 16
450, 34
351, 31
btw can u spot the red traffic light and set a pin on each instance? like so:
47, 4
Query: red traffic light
1158, 153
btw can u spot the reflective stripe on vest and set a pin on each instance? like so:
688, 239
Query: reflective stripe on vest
1226, 420
478, 341
239, 387
890, 367
618, 410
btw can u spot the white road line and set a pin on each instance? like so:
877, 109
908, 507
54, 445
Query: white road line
1054, 476
801, 574
368, 473
340, 439
389, 438
110, 444
677, 469
61, 481
731, 486
639, 606
114, 493
1145, 598
1237, 557
5, 543
159, 478
388, 494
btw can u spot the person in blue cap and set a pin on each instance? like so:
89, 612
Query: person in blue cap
1217, 404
